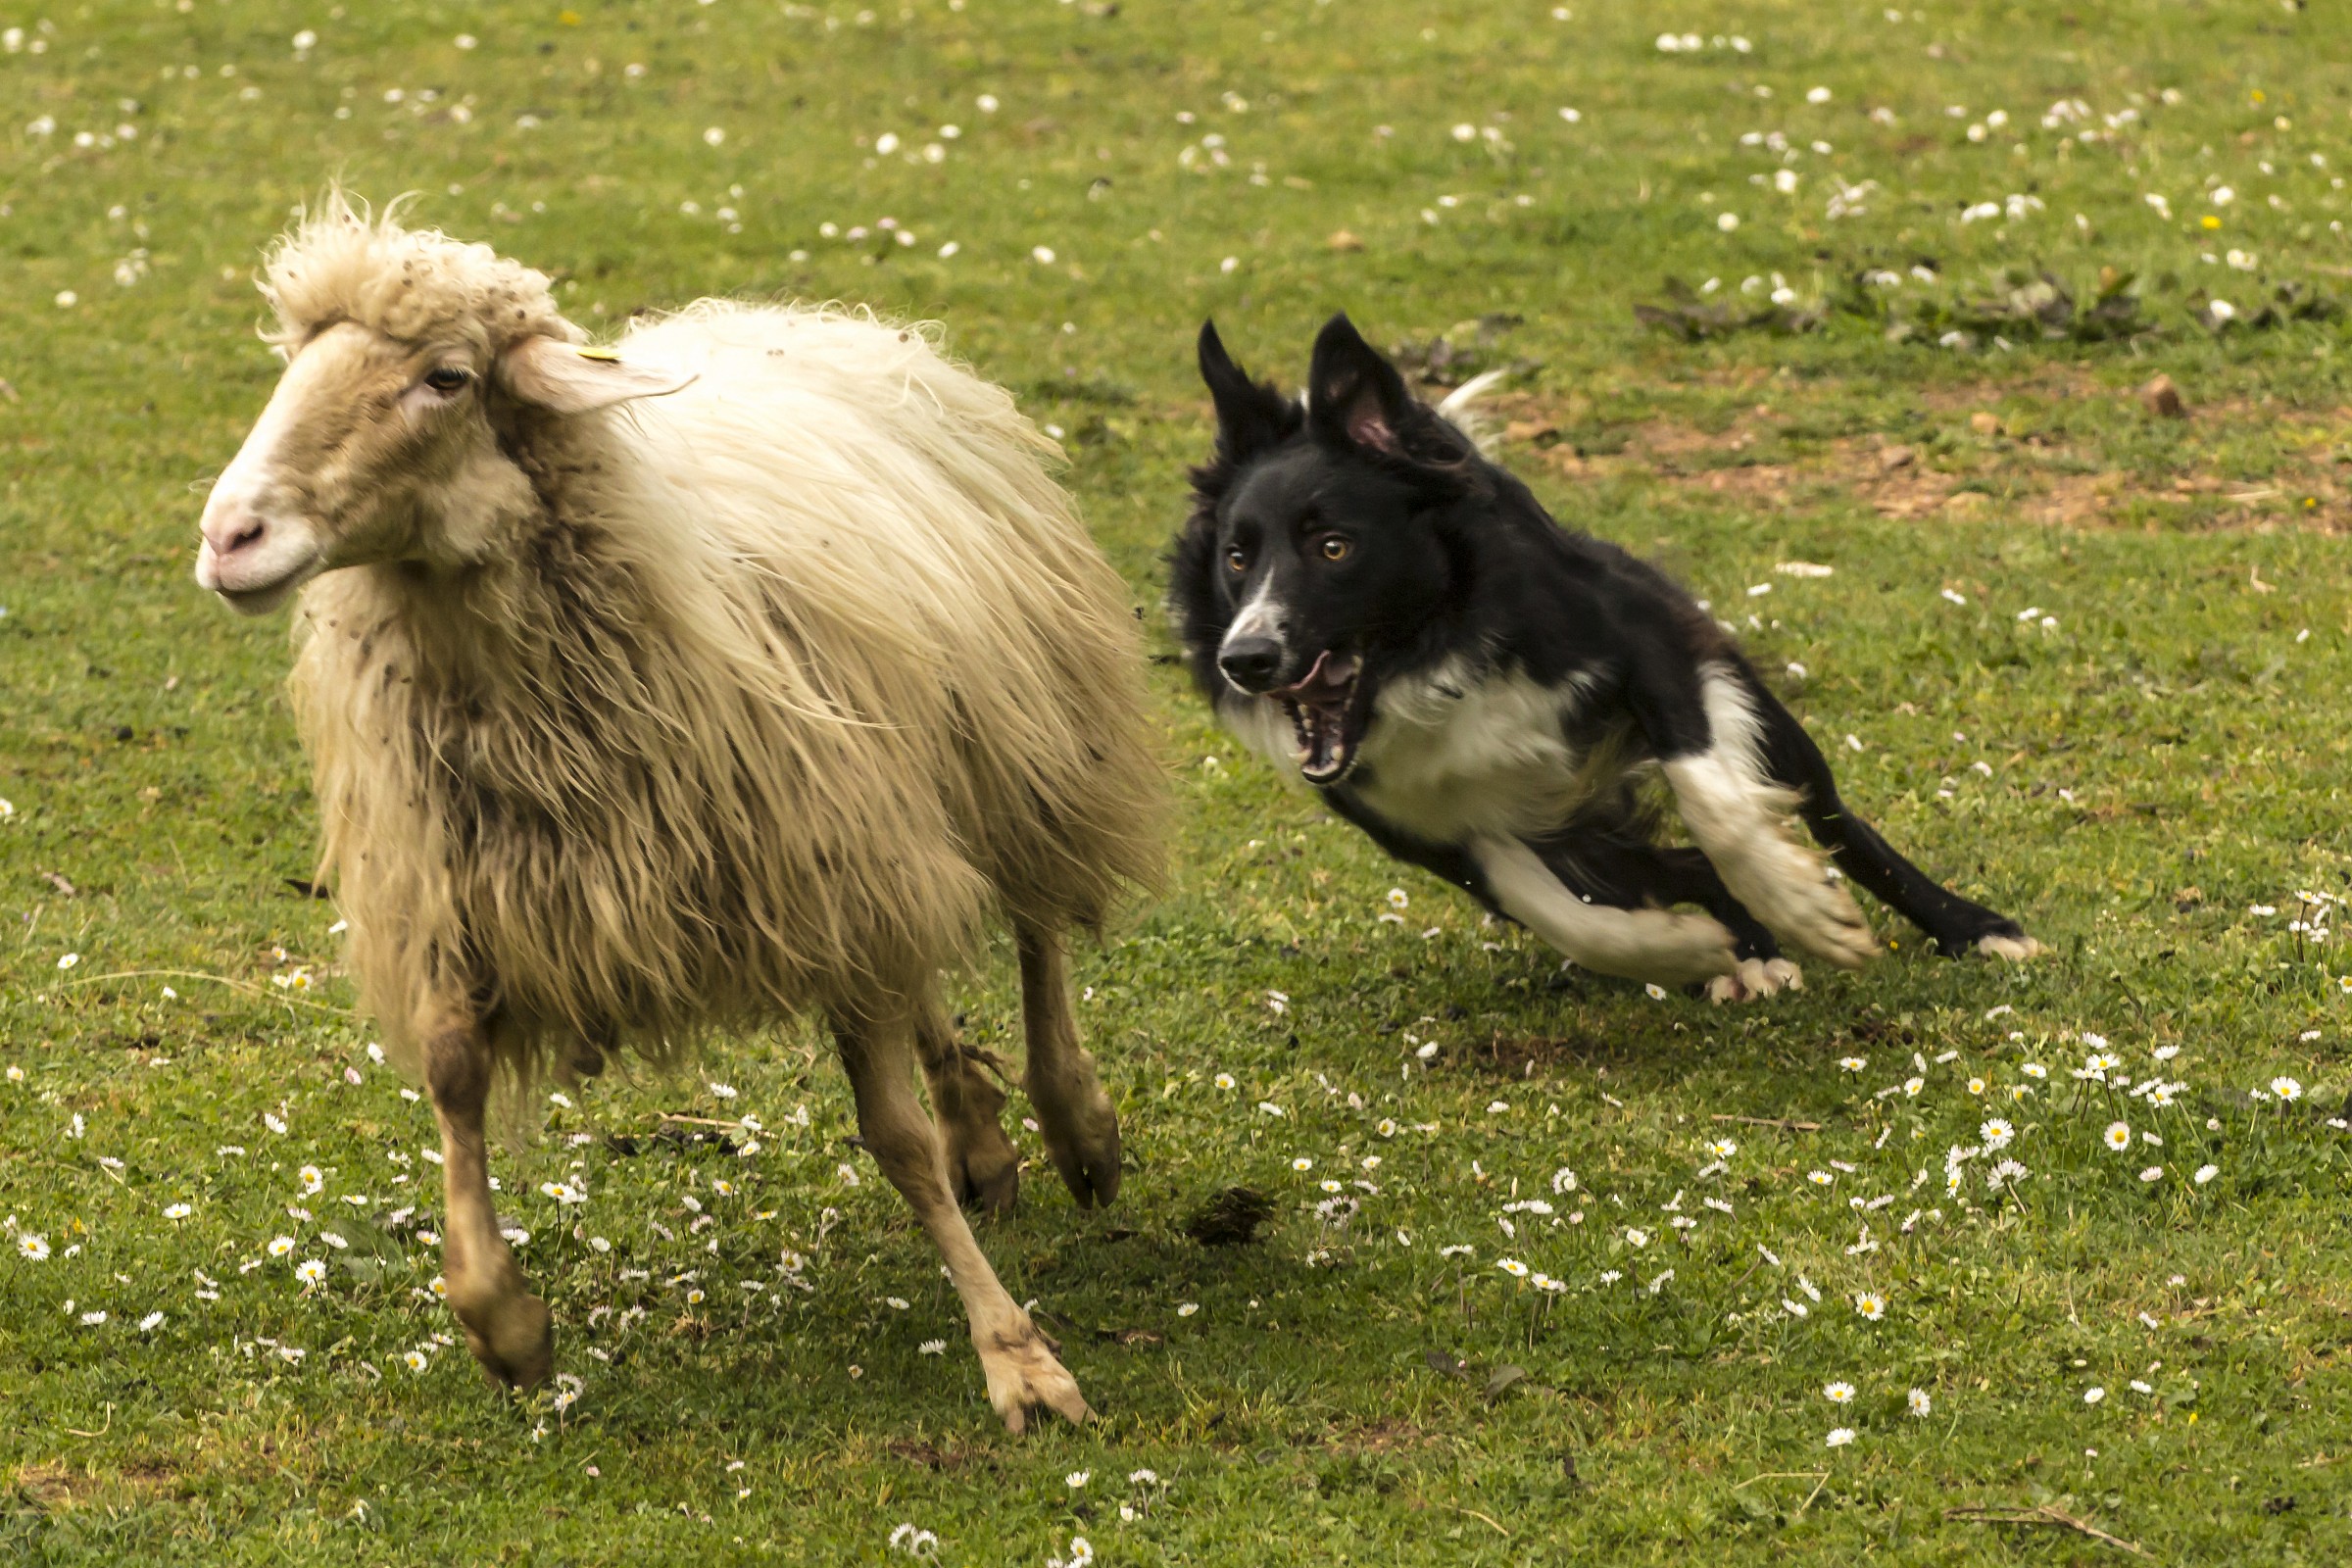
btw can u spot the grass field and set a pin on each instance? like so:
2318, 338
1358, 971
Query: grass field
2083, 660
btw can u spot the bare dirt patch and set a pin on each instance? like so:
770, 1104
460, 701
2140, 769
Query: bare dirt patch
1973, 466
47, 1486
1524, 1055
1393, 1435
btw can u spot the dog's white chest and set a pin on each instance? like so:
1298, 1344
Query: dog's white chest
1446, 757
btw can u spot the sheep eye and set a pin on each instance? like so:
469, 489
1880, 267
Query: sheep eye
1335, 548
447, 378
1237, 560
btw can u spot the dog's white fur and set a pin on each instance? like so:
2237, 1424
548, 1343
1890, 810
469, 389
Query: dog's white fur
1740, 818
1671, 947
1449, 755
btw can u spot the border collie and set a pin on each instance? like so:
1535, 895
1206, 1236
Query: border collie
1366, 598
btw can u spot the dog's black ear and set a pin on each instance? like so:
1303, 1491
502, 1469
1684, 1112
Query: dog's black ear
1354, 395
1251, 415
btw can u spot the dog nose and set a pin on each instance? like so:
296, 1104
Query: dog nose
1251, 662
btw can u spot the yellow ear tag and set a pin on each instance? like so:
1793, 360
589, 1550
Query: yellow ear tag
599, 354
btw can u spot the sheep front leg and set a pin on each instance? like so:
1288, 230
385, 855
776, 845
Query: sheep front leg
1081, 1129
983, 1166
509, 1329
1022, 1371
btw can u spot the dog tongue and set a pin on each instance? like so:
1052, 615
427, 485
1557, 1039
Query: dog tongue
1327, 679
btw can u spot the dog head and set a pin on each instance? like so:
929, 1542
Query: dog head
1315, 562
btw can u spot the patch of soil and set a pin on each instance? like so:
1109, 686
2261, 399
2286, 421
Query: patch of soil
1390, 1436
1522, 1056
2033, 479
939, 1460
45, 1486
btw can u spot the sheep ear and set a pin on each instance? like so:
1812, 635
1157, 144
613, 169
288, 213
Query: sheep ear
1356, 396
566, 379
1251, 415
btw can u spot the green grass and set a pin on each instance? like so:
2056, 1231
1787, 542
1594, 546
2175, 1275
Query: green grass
2165, 754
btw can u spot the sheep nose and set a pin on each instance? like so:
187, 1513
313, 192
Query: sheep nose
234, 531
1251, 662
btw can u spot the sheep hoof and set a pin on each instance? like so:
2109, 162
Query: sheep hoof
1025, 1377
515, 1341
1081, 1128
1087, 1154
985, 1167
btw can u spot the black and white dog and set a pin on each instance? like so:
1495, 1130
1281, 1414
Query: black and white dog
1364, 597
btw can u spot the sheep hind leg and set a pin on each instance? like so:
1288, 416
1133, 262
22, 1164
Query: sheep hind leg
1024, 1374
509, 1329
983, 1168
1080, 1127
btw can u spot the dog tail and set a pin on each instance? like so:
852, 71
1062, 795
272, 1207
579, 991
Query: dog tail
1461, 411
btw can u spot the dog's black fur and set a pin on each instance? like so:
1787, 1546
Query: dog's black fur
1377, 552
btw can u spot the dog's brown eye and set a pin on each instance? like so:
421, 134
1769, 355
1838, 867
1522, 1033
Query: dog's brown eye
447, 378
1335, 548
1236, 561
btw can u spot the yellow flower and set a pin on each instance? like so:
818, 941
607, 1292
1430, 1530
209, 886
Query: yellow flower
2209, 220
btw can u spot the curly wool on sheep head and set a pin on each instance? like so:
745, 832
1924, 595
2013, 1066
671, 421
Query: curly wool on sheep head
408, 353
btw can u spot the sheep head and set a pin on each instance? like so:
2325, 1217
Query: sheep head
408, 355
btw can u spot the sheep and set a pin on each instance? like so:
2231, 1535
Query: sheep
743, 668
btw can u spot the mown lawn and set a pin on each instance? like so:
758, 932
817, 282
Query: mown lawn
2091, 660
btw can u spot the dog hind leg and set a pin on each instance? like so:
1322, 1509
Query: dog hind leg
1956, 924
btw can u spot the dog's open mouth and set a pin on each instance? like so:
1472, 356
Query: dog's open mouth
1325, 717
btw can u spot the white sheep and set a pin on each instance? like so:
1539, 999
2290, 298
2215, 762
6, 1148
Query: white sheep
743, 667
